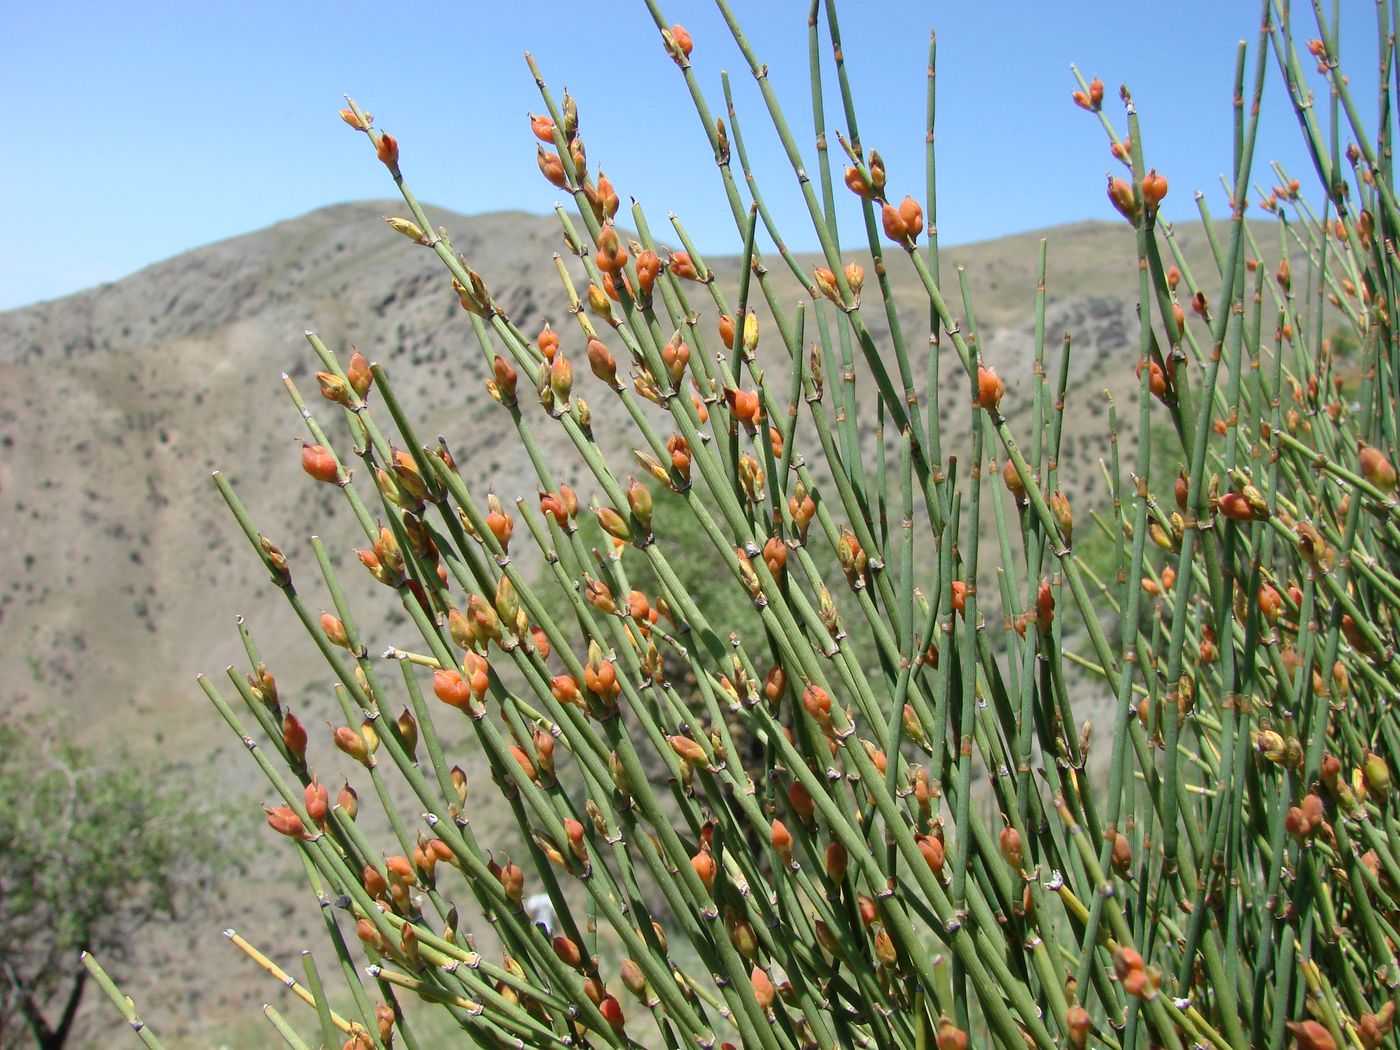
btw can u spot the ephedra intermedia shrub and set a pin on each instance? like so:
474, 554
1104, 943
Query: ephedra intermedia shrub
764, 840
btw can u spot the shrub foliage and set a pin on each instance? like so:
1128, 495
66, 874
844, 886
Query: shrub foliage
92, 848
747, 833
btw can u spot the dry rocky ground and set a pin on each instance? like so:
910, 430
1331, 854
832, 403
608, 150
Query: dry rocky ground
122, 572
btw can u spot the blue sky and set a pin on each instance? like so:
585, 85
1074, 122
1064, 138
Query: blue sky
137, 131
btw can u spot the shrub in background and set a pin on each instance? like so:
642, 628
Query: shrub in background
92, 848
786, 853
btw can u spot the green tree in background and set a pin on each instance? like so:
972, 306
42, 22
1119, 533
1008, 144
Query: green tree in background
91, 849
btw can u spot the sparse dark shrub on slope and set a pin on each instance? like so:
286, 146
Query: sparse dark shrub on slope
797, 848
